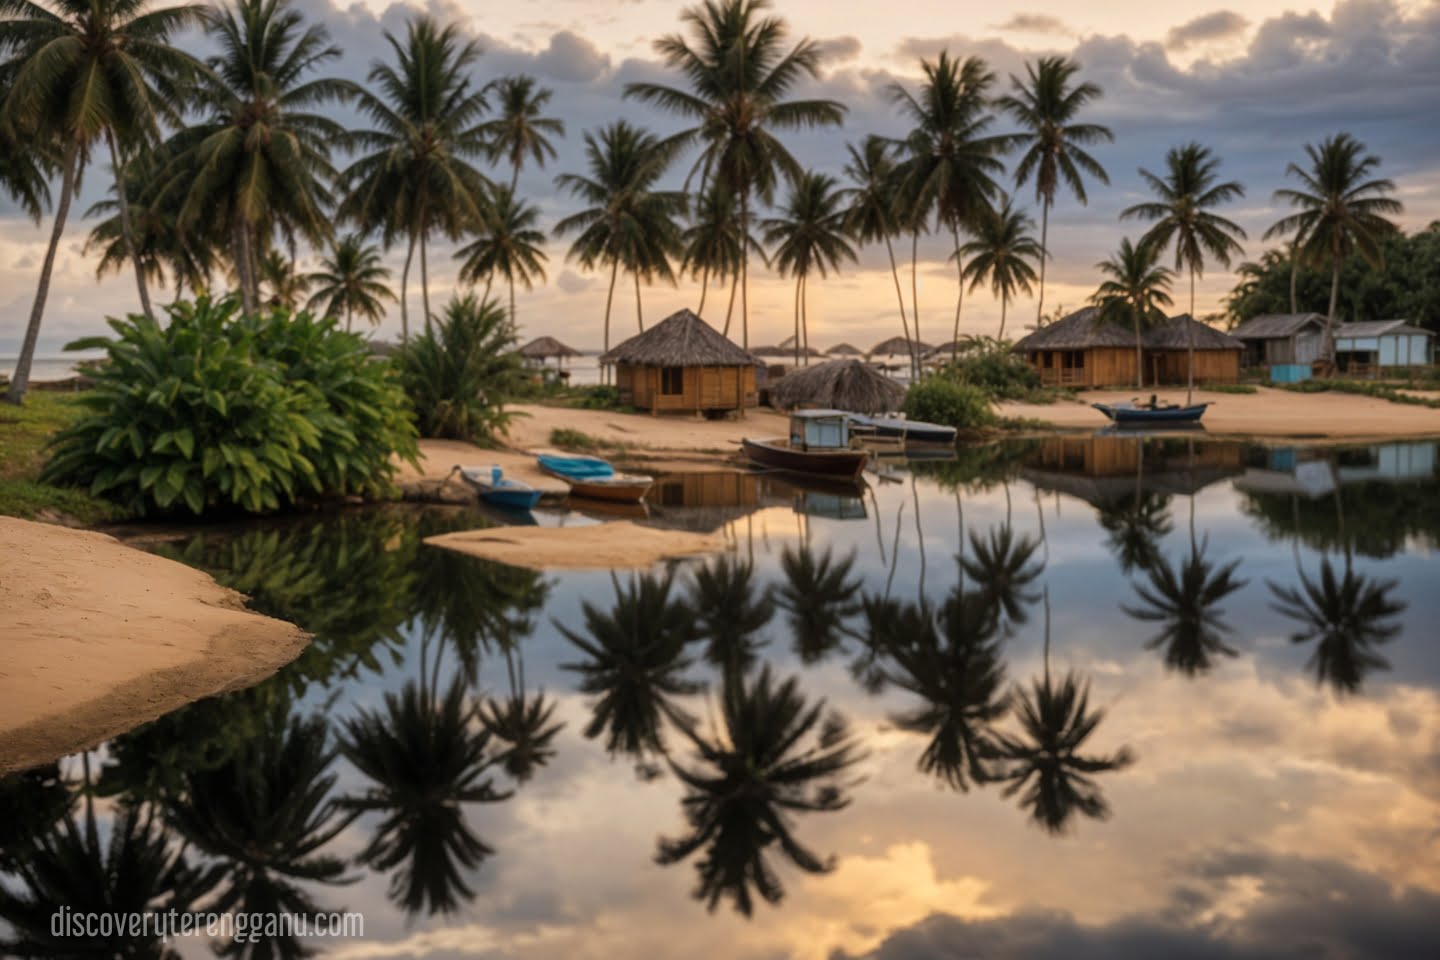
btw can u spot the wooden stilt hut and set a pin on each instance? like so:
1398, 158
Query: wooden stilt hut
683, 364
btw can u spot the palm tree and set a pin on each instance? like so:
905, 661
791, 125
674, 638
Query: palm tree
739, 75
1004, 568
629, 223
808, 236
1002, 252
819, 595
1184, 601
711, 244
1341, 210
350, 281
520, 131
287, 285
777, 755
81, 71
950, 164
872, 214
417, 176
25, 171
1346, 617
1137, 290
508, 245
729, 611
1187, 194
1045, 106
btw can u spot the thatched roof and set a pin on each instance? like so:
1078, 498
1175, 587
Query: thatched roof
542, 348
680, 340
897, 345
784, 351
839, 384
844, 350
1270, 326
1175, 333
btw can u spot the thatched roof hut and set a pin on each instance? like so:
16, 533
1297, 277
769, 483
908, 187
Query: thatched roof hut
543, 348
680, 340
1087, 350
838, 385
683, 363
897, 346
844, 350
1175, 333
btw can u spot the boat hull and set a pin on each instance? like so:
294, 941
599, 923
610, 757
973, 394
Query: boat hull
510, 498
911, 431
617, 489
1189, 414
778, 455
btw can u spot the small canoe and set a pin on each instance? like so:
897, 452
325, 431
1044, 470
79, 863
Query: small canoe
575, 468
911, 431
777, 454
1131, 413
499, 490
595, 479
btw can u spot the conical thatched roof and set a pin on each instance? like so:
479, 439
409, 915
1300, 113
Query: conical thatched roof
542, 348
897, 345
1085, 329
844, 350
784, 351
680, 340
839, 385
1174, 334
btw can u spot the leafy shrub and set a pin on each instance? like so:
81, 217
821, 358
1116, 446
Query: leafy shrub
1231, 388
601, 397
567, 439
460, 374
996, 369
1364, 388
939, 399
218, 412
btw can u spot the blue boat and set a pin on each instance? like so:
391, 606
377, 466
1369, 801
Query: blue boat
1127, 413
595, 479
575, 468
497, 489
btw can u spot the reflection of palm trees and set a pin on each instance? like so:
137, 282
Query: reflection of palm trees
1135, 526
1347, 617
635, 662
521, 721
1002, 568
818, 594
32, 803
750, 777
266, 813
729, 612
425, 759
1184, 600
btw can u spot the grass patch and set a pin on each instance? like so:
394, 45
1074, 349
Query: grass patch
1363, 388
577, 440
1231, 388
24, 432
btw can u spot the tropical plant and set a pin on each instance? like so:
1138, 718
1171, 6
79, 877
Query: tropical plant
460, 373
287, 285
1183, 214
776, 756
32, 804
81, 71
215, 412
628, 222
508, 245
739, 74
351, 281
819, 593
872, 213
711, 243
1134, 526
1346, 616
808, 237
1341, 209
1184, 602
520, 131
24, 170
1001, 253
1046, 105
939, 399
995, 368
1137, 288
416, 173
525, 724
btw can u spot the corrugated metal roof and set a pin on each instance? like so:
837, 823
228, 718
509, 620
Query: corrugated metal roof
1379, 328
1275, 325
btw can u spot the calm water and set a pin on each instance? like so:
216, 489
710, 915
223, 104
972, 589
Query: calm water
1177, 699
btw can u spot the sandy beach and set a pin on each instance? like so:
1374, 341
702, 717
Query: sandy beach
100, 637
602, 546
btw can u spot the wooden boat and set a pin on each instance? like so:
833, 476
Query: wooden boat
499, 490
1128, 413
596, 479
819, 443
910, 431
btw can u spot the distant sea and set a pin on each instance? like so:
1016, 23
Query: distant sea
53, 367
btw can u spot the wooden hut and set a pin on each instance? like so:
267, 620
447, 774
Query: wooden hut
1167, 352
683, 363
1285, 344
850, 385
541, 349
1085, 350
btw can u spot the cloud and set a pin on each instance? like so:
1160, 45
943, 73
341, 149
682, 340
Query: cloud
571, 58
1035, 23
840, 49
572, 282
1203, 29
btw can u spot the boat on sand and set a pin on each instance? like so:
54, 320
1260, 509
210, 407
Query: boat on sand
1152, 412
497, 489
595, 479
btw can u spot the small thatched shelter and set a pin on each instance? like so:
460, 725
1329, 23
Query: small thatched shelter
545, 348
844, 350
838, 385
897, 347
683, 363
1085, 350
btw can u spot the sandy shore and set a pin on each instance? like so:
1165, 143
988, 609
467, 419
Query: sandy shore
99, 637
654, 436
602, 546
1268, 413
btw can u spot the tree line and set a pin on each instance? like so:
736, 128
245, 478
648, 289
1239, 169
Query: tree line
230, 164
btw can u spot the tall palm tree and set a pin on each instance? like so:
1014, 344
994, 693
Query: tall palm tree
25, 170
820, 594
711, 243
1184, 601
259, 161
1137, 288
1001, 253
739, 74
1342, 209
1134, 526
777, 755
416, 174
1347, 617
288, 286
808, 237
83, 70
508, 245
950, 163
1045, 105
351, 280
1183, 213
872, 214
628, 223
520, 131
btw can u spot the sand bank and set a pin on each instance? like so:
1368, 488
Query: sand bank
97, 637
619, 545
666, 434
1267, 413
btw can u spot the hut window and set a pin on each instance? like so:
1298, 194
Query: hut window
672, 380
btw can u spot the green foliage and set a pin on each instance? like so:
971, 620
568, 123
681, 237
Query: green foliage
24, 432
568, 439
215, 413
460, 373
939, 399
1232, 388
994, 368
1363, 388
603, 397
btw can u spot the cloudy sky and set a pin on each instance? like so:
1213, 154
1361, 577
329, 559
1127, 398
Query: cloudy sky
1255, 82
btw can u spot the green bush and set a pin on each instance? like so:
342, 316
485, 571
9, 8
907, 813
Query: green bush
996, 369
602, 397
217, 412
939, 399
460, 374
567, 439
1363, 388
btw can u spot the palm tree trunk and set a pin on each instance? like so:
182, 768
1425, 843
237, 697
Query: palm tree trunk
704, 288
610, 299
241, 254
1044, 255
424, 282
915, 303
1327, 349
489, 280
347, 318
639, 313
745, 268
404, 291
960, 299
514, 179
1139, 354
796, 338
1190, 373
895, 274
1294, 269
20, 382
730, 310
513, 324
805, 318
117, 162
1004, 303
